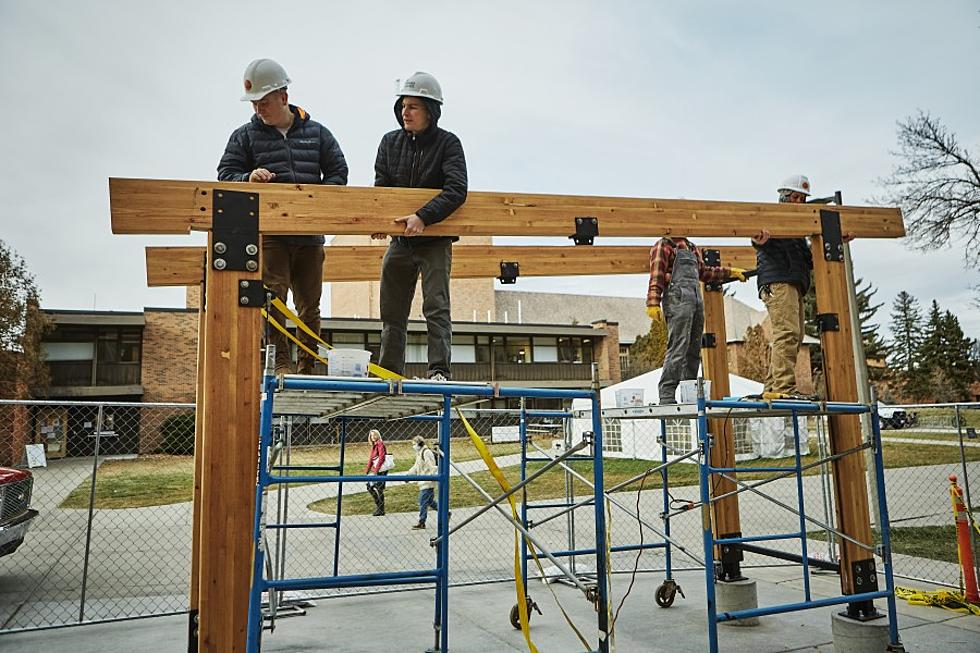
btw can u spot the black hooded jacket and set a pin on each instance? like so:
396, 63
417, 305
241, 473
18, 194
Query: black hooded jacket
432, 159
308, 154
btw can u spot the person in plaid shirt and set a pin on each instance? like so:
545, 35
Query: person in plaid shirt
674, 298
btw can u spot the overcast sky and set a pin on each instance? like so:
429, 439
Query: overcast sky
703, 100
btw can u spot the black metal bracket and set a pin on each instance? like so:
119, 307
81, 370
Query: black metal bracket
509, 271
833, 240
708, 341
193, 629
235, 231
712, 258
827, 322
251, 293
586, 229
865, 580
730, 559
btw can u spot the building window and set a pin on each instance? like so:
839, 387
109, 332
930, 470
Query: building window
624, 358
569, 350
464, 349
679, 435
374, 345
348, 340
743, 436
545, 350
612, 435
518, 349
483, 350
417, 348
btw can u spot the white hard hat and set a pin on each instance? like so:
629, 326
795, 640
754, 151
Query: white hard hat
797, 183
263, 76
422, 85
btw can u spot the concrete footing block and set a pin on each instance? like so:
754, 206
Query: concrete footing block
737, 595
853, 636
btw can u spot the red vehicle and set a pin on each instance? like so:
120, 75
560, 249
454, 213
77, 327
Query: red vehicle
15, 511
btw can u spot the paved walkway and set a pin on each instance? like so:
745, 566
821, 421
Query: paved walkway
944, 443
478, 622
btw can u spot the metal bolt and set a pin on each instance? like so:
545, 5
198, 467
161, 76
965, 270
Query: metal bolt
220, 248
243, 301
251, 249
219, 264
243, 284
251, 265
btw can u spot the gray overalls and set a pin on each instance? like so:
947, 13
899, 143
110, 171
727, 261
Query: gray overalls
684, 313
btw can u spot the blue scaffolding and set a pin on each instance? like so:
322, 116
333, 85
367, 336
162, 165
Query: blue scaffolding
794, 410
355, 398
747, 408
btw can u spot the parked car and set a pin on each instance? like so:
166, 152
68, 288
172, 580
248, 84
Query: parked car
16, 513
894, 417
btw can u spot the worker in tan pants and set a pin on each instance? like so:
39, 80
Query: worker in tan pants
784, 268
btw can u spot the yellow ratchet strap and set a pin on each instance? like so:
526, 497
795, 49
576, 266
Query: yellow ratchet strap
280, 305
952, 601
521, 593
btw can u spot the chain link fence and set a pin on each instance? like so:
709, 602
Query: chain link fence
122, 548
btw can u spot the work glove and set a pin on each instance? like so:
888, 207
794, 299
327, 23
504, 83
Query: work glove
656, 314
737, 273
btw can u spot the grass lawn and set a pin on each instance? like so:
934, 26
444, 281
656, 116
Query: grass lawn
928, 435
933, 542
159, 480
403, 497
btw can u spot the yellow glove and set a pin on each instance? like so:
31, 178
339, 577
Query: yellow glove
738, 273
656, 314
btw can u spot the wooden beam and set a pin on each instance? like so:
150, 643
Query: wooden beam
147, 206
722, 454
198, 462
850, 487
184, 266
229, 461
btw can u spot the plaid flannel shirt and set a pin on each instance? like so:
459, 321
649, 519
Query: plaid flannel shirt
662, 262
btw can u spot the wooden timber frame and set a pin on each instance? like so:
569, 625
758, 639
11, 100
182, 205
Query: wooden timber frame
228, 366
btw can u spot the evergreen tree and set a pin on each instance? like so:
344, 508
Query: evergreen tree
903, 351
648, 352
874, 346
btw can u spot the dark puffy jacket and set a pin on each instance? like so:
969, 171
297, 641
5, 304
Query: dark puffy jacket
784, 260
432, 159
308, 154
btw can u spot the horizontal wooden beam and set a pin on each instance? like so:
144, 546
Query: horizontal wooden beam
147, 206
184, 266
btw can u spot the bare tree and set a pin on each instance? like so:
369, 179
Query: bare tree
937, 184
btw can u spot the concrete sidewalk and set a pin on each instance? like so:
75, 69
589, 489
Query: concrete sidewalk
478, 622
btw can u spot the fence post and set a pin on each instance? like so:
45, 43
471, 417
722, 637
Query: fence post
966, 490
91, 512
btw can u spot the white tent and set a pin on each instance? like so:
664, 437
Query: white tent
768, 437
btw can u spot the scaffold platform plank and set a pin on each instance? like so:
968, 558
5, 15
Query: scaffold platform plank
367, 404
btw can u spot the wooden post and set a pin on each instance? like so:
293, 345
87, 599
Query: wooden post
715, 363
850, 490
229, 459
198, 460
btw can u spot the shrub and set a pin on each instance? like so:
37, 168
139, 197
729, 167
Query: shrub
177, 435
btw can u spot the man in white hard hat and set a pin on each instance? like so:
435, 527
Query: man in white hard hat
784, 267
419, 154
281, 144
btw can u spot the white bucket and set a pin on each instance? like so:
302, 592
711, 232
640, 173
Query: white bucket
687, 391
348, 362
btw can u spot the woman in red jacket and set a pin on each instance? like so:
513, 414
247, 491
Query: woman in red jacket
376, 461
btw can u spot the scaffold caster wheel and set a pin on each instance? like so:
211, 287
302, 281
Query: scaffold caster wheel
515, 613
666, 594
